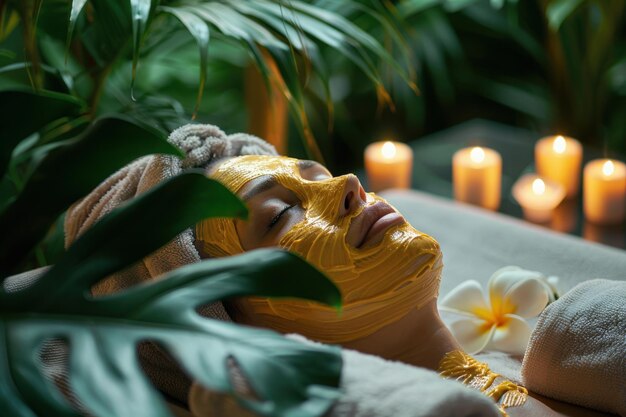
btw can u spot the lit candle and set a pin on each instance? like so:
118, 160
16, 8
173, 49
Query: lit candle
604, 191
558, 158
538, 197
477, 177
388, 165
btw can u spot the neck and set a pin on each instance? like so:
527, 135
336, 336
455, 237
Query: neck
420, 338
429, 349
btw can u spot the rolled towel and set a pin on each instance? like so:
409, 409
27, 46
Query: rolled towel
577, 352
374, 387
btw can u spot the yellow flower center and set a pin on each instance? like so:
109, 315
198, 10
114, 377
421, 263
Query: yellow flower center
496, 315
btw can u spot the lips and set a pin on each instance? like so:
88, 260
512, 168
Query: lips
373, 222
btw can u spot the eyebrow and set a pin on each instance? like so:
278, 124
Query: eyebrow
306, 164
266, 183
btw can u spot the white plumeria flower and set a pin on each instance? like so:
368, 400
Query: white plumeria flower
553, 287
551, 283
499, 322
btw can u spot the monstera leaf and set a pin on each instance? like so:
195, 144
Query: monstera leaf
102, 334
288, 377
42, 108
66, 174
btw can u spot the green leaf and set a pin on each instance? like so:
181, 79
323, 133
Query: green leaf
294, 36
68, 173
290, 378
200, 31
128, 233
77, 6
356, 35
559, 10
109, 35
140, 12
411, 7
41, 108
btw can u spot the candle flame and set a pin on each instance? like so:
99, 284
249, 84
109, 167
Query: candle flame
388, 150
477, 155
539, 187
559, 144
608, 168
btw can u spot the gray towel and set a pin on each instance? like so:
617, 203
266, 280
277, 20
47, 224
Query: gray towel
373, 387
577, 352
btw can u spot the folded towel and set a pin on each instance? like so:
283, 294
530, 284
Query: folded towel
374, 387
577, 352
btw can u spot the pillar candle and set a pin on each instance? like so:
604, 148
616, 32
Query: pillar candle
538, 197
558, 159
604, 191
477, 177
388, 165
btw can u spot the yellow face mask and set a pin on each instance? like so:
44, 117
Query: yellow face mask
379, 284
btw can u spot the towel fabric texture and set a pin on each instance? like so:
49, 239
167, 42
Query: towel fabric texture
577, 352
374, 387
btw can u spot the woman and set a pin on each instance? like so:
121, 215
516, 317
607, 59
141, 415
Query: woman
387, 271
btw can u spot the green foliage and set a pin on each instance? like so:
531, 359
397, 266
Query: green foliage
102, 334
81, 164
200, 31
81, 65
102, 36
42, 108
548, 66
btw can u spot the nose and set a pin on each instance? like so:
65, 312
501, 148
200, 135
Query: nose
353, 196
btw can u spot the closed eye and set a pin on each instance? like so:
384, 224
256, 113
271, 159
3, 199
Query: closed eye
276, 218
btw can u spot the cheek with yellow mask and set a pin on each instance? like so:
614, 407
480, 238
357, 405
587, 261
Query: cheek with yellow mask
379, 284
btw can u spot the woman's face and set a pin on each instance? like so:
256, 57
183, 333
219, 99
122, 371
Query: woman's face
275, 209
381, 264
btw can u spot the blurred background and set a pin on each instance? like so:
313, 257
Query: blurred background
545, 65
322, 78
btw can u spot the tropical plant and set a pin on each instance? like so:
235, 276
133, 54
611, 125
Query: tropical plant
562, 65
102, 333
105, 37
548, 65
